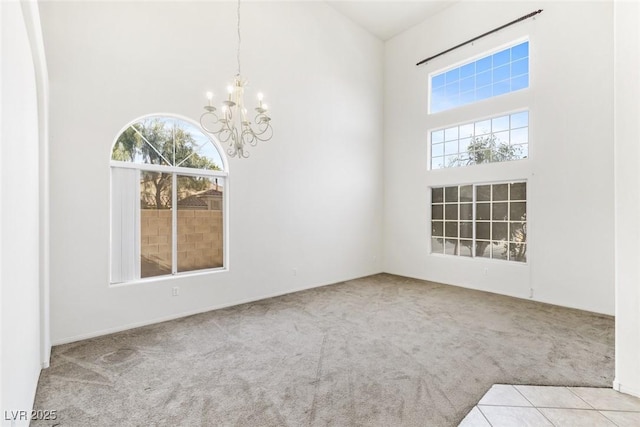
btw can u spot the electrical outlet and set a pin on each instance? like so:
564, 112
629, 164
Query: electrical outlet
175, 291
486, 271
295, 271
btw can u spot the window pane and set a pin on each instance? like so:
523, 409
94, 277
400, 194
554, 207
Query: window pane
466, 248
452, 76
483, 250
437, 228
518, 232
483, 127
437, 81
520, 82
501, 58
499, 250
437, 195
518, 252
519, 120
483, 79
483, 230
500, 191
466, 193
451, 134
466, 230
451, 229
437, 150
466, 211
451, 194
501, 73
519, 191
437, 136
483, 211
520, 136
193, 149
451, 147
451, 247
520, 67
437, 212
520, 51
483, 92
451, 161
500, 124
437, 245
499, 231
437, 163
467, 84
518, 211
468, 70
466, 130
501, 138
521, 151
200, 201
451, 212
155, 224
500, 212
483, 192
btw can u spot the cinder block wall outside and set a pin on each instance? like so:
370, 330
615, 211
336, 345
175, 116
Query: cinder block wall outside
199, 239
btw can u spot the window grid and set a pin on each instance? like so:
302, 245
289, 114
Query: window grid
169, 215
492, 75
495, 139
480, 220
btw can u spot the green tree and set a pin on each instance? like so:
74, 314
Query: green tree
161, 142
487, 149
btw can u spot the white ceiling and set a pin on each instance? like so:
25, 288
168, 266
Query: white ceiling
388, 18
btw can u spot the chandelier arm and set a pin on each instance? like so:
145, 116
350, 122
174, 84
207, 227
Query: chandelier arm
216, 120
249, 137
262, 130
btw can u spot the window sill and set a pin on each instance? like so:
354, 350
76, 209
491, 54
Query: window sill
154, 279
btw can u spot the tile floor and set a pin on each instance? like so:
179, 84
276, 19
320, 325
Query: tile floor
539, 406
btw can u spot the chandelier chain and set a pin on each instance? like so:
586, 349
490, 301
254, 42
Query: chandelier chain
239, 38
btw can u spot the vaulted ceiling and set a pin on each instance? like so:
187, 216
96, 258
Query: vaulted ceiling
387, 18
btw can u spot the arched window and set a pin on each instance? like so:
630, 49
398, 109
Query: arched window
168, 200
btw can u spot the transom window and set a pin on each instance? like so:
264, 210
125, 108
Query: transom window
480, 220
168, 182
496, 139
492, 75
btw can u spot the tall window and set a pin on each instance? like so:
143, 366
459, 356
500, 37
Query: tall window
167, 200
492, 75
481, 220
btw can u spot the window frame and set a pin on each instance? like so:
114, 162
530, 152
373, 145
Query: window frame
473, 58
175, 171
472, 122
474, 220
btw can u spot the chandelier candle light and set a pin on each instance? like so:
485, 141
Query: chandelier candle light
233, 126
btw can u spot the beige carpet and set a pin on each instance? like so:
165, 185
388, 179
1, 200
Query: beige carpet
378, 351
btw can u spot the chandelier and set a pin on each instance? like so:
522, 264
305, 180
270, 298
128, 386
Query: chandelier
233, 126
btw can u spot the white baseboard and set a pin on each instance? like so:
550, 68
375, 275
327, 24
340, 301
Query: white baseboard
108, 331
626, 390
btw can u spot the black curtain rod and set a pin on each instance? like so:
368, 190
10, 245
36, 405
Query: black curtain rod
522, 18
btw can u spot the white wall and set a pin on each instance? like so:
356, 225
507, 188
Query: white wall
627, 189
570, 170
310, 199
19, 224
